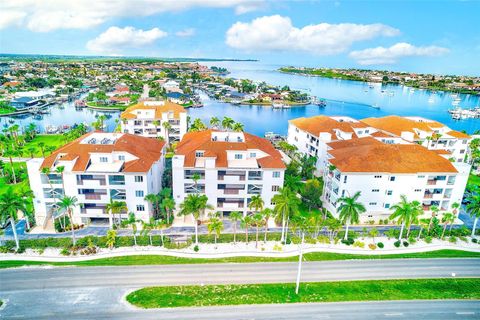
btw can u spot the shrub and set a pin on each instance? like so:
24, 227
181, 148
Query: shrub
359, 244
296, 240
372, 246
310, 240
348, 242
65, 252
474, 240
323, 239
277, 247
397, 243
405, 243
428, 239
412, 240
464, 239
452, 239
196, 248
380, 245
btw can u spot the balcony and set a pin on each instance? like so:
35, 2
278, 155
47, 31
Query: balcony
428, 195
255, 175
230, 204
231, 175
231, 191
91, 180
431, 182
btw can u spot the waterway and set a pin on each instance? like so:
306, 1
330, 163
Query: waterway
350, 98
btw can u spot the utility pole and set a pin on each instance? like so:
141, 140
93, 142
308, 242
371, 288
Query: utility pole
300, 257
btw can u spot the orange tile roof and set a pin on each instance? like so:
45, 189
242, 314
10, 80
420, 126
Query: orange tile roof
397, 125
388, 158
166, 107
202, 140
458, 134
339, 144
316, 125
147, 150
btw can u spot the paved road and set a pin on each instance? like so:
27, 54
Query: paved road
97, 292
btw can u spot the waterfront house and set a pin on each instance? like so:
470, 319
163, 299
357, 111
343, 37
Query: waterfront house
231, 166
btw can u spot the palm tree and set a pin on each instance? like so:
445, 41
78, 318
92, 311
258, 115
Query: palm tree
166, 126
237, 127
434, 210
68, 203
11, 153
256, 203
373, 233
447, 219
156, 123
423, 225
266, 214
473, 208
153, 199
41, 145
195, 177
114, 207
10, 204
195, 204
214, 122
246, 222
168, 204
350, 210
417, 211
227, 123
293, 182
215, 226
402, 211
257, 220
235, 216
286, 204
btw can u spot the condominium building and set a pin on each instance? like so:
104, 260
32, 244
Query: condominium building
231, 167
383, 172
98, 167
428, 133
148, 118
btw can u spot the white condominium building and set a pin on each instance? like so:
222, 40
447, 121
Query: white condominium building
148, 118
428, 133
98, 167
383, 172
232, 167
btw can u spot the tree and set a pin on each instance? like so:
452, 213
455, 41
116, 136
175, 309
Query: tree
423, 225
195, 205
402, 212
168, 204
166, 126
227, 123
286, 204
41, 145
256, 203
237, 127
373, 233
115, 207
68, 203
10, 205
246, 222
447, 219
307, 166
214, 122
300, 223
266, 213
350, 210
473, 208
235, 216
215, 226
153, 199
417, 211
293, 182
257, 221
111, 238
434, 210
312, 194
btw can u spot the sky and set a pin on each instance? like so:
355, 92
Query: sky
441, 37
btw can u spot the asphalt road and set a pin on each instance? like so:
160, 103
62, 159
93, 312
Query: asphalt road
97, 292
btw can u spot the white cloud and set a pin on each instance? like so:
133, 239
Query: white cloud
48, 15
382, 55
185, 32
114, 39
276, 33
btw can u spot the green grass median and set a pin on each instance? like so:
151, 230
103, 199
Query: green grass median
221, 295
159, 260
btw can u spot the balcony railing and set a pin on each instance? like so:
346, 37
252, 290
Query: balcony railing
93, 196
231, 191
432, 182
428, 195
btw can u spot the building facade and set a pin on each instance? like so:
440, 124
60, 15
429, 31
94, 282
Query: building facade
148, 119
231, 167
97, 168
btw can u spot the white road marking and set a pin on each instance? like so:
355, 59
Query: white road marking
465, 313
394, 314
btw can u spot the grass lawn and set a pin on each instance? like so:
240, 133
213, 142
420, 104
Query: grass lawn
55, 140
21, 186
474, 179
221, 295
159, 260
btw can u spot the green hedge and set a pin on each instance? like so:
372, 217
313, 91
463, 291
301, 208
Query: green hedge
225, 238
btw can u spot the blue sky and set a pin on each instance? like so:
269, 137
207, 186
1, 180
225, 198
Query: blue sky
420, 36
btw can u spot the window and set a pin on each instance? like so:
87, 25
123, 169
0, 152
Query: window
139, 193
392, 178
276, 174
238, 156
199, 154
121, 158
138, 178
462, 151
375, 190
464, 141
344, 179
389, 192
140, 207
275, 188
418, 190
421, 177
377, 177
367, 131
253, 155
387, 205
103, 159
372, 204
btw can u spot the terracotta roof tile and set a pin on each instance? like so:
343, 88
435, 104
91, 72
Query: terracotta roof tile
159, 109
397, 125
458, 134
316, 125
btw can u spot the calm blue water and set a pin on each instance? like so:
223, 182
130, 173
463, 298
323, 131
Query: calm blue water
348, 98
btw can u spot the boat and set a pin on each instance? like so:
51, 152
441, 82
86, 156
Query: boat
277, 105
80, 104
318, 102
375, 106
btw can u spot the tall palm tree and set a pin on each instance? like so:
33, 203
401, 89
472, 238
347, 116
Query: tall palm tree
215, 226
473, 208
417, 211
115, 207
214, 122
293, 182
423, 223
257, 221
153, 199
166, 126
434, 210
60, 170
12, 153
237, 127
246, 223
256, 203
168, 204
195, 205
286, 204
350, 209
156, 123
266, 214
447, 219
402, 211
68, 203
10, 204
227, 123
235, 216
